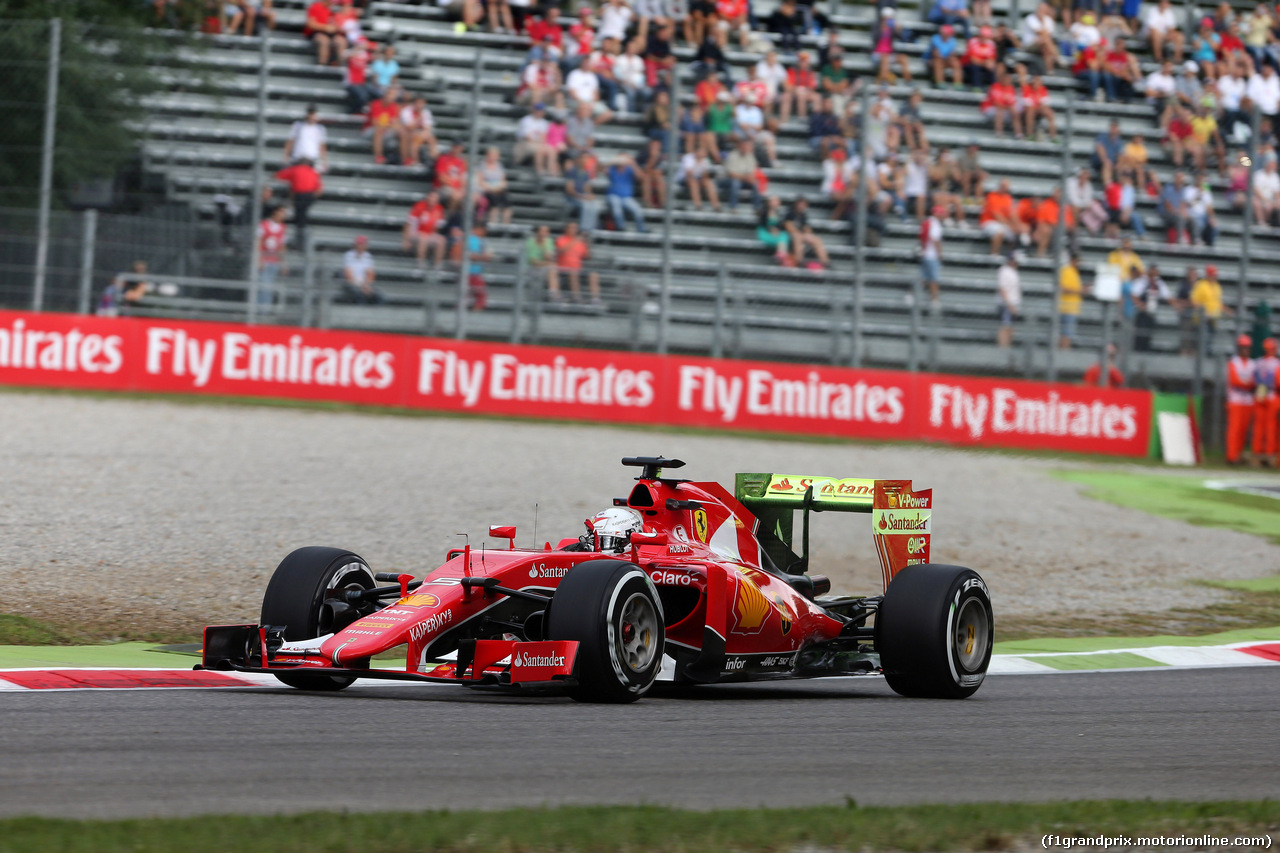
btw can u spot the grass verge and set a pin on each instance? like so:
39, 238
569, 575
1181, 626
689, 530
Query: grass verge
605, 829
22, 631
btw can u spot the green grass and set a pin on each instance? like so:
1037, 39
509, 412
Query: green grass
22, 631
1184, 499
630, 829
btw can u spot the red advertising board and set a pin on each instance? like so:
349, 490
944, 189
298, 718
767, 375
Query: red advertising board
172, 356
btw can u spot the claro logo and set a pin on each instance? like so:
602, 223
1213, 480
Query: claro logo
669, 578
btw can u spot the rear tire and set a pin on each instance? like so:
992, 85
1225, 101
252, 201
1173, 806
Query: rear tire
934, 631
613, 611
295, 598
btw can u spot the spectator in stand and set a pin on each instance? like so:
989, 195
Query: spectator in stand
1120, 71
580, 130
945, 187
944, 54
1161, 27
1107, 148
1205, 136
422, 230
915, 182
910, 122
824, 129
1266, 196
1008, 298
547, 34
491, 180
355, 79
385, 68
998, 220
1204, 222
330, 43
308, 140
651, 160
733, 16
710, 59
1047, 215
1000, 103
259, 11
1085, 32
419, 127
121, 293
1241, 391
697, 172
580, 198
531, 143
584, 90
477, 255
771, 229
659, 58
540, 254
969, 173
953, 12
887, 31
271, 254
720, 124
621, 196
582, 40
1093, 374
1038, 35
359, 273
346, 17
707, 90
1087, 68
615, 19
521, 12
773, 75
787, 22
801, 236
628, 72
1128, 262
1161, 91
1147, 292
1206, 301
1232, 89
839, 181
305, 187
1181, 137
540, 84
837, 82
451, 176
931, 251
748, 119
881, 124
740, 173
1264, 90
1085, 207
1204, 49
384, 119
1122, 199
1172, 207
572, 249
980, 60
1070, 297
800, 91
1033, 105
1133, 159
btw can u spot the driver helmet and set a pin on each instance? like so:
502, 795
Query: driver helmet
613, 527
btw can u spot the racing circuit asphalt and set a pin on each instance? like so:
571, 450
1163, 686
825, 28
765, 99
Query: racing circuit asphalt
1187, 734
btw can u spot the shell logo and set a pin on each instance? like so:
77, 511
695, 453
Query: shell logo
750, 607
424, 599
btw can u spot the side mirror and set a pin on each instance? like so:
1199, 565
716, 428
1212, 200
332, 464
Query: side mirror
648, 539
508, 533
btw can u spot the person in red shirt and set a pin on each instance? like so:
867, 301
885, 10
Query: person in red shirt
707, 90
733, 17
1181, 136
1000, 102
547, 35
322, 29
451, 175
1093, 375
1242, 386
1088, 69
305, 187
271, 254
1120, 70
423, 228
360, 91
572, 250
384, 118
1033, 99
801, 91
1266, 403
980, 59
998, 220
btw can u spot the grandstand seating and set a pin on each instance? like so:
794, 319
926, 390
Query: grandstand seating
727, 296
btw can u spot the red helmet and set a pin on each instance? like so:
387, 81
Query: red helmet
1269, 346
1244, 341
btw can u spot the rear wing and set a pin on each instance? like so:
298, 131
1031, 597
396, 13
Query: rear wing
900, 517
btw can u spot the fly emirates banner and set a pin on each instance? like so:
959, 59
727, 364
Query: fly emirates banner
129, 354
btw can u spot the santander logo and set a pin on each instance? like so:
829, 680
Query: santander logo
526, 659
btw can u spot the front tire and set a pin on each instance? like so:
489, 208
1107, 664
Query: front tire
934, 631
612, 610
296, 598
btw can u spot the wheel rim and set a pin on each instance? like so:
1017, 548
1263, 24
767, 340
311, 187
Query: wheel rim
972, 630
638, 632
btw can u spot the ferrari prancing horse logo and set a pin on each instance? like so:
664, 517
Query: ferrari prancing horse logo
700, 524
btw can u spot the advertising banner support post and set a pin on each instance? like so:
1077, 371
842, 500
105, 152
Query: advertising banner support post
46, 163
87, 246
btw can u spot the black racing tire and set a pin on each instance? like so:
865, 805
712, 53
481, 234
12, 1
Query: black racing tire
612, 609
934, 630
295, 597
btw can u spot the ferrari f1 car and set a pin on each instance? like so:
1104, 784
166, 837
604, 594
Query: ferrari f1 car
716, 584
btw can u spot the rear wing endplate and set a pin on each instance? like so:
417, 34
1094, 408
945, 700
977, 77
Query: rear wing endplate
900, 516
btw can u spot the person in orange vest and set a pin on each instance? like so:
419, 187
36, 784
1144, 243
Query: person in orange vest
1240, 390
1093, 375
1266, 403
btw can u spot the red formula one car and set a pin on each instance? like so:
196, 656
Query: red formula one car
713, 583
